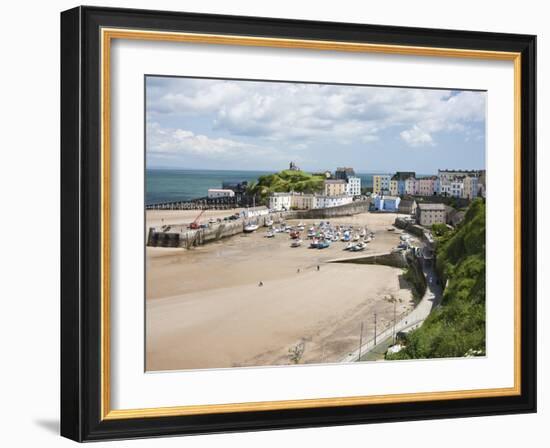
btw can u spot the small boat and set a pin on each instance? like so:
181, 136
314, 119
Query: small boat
314, 244
358, 247
323, 244
363, 233
311, 234
294, 234
268, 222
349, 246
296, 243
270, 234
249, 228
301, 226
335, 238
355, 237
346, 237
367, 239
212, 221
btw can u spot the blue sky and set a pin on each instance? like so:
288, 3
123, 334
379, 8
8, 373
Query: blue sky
225, 124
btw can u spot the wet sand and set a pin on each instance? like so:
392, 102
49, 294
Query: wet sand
206, 310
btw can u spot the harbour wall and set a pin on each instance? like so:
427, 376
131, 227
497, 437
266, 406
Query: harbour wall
180, 236
413, 229
402, 260
350, 209
393, 259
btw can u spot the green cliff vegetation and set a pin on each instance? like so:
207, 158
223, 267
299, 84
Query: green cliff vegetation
440, 230
414, 275
457, 327
287, 180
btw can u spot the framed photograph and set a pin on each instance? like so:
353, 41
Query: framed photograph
273, 223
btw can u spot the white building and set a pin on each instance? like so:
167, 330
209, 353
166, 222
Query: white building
448, 175
353, 187
253, 212
280, 201
220, 193
457, 188
411, 186
302, 201
332, 201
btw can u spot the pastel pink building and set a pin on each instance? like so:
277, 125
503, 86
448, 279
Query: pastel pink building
426, 186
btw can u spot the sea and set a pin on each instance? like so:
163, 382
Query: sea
167, 185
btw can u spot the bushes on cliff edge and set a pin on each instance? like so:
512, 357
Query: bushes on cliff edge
457, 327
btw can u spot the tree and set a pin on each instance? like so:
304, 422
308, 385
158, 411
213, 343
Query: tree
296, 353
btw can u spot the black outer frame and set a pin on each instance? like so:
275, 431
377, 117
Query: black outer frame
80, 223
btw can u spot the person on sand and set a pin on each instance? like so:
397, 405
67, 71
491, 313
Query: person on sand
318, 267
298, 271
261, 284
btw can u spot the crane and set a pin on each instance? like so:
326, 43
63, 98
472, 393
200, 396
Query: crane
195, 224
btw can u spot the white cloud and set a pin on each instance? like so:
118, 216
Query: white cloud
416, 137
287, 114
181, 141
178, 143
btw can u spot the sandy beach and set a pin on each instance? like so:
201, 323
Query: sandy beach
205, 308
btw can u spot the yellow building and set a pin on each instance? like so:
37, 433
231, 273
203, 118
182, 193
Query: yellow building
394, 187
381, 184
335, 187
302, 201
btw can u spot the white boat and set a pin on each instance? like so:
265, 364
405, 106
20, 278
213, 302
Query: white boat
268, 222
249, 228
270, 234
296, 243
349, 246
358, 247
355, 237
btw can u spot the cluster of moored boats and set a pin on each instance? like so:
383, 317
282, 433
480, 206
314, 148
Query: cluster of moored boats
324, 234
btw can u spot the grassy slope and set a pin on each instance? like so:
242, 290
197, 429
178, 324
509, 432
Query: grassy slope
457, 327
287, 180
